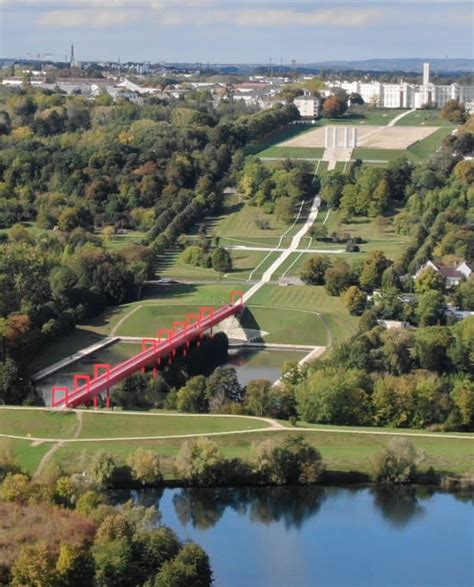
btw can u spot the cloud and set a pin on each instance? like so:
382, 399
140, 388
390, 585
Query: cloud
88, 18
342, 17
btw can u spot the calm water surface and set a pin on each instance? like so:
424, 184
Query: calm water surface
309, 537
249, 365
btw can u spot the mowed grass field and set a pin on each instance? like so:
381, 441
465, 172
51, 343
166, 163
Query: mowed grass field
332, 317
424, 118
340, 451
343, 450
37, 423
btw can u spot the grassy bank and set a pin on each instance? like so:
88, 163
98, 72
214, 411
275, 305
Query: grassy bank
344, 449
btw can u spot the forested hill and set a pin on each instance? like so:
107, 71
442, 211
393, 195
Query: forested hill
74, 167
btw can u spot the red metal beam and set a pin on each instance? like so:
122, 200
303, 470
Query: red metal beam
209, 317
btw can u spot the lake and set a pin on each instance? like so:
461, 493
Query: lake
316, 536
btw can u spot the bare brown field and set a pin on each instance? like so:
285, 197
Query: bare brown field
370, 137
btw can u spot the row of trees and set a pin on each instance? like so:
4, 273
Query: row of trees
276, 190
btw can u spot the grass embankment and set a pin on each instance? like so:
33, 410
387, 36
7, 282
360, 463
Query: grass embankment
424, 118
343, 448
292, 152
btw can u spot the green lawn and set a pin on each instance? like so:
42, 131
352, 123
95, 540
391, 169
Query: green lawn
341, 452
238, 220
120, 241
333, 314
382, 154
24, 453
426, 147
292, 152
290, 326
120, 425
424, 118
37, 423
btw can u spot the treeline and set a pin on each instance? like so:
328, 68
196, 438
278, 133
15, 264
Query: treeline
393, 378
277, 190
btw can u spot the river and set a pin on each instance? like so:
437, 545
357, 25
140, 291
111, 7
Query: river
317, 536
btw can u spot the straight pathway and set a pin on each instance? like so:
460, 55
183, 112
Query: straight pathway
294, 245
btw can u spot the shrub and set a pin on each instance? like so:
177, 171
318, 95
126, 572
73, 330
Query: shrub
397, 463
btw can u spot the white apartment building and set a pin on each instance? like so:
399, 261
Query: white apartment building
308, 106
405, 95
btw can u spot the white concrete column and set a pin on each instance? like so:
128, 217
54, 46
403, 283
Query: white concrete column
355, 137
325, 137
346, 137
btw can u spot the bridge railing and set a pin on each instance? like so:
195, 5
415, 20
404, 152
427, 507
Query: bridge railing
181, 334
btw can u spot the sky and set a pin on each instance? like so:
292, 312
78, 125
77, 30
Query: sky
236, 31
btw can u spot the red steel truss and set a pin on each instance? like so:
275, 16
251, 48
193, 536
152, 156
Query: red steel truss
166, 344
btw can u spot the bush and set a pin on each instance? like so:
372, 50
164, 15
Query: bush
292, 461
199, 462
397, 463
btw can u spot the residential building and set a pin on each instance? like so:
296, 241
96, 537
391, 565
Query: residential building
452, 276
308, 106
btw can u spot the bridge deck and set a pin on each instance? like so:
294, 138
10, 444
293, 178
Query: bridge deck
176, 338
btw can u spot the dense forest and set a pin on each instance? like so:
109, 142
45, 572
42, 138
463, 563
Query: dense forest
78, 168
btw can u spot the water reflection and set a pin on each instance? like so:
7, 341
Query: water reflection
397, 504
203, 508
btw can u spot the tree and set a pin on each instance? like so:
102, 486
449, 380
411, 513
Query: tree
429, 280
199, 462
338, 278
334, 395
334, 107
101, 467
15, 487
223, 387
461, 349
314, 269
463, 398
35, 566
454, 112
221, 260
145, 465
193, 396
431, 309
292, 461
258, 397
397, 463
355, 300
374, 267
431, 348
75, 565
189, 567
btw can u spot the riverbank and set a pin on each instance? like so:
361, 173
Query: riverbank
29, 434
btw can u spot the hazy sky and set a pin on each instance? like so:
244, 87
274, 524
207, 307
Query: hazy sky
234, 31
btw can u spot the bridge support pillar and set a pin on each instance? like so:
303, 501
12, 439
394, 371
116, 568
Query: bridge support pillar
96, 402
107, 399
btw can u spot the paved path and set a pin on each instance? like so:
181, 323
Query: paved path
294, 245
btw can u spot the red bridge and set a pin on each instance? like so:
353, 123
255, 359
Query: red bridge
154, 350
